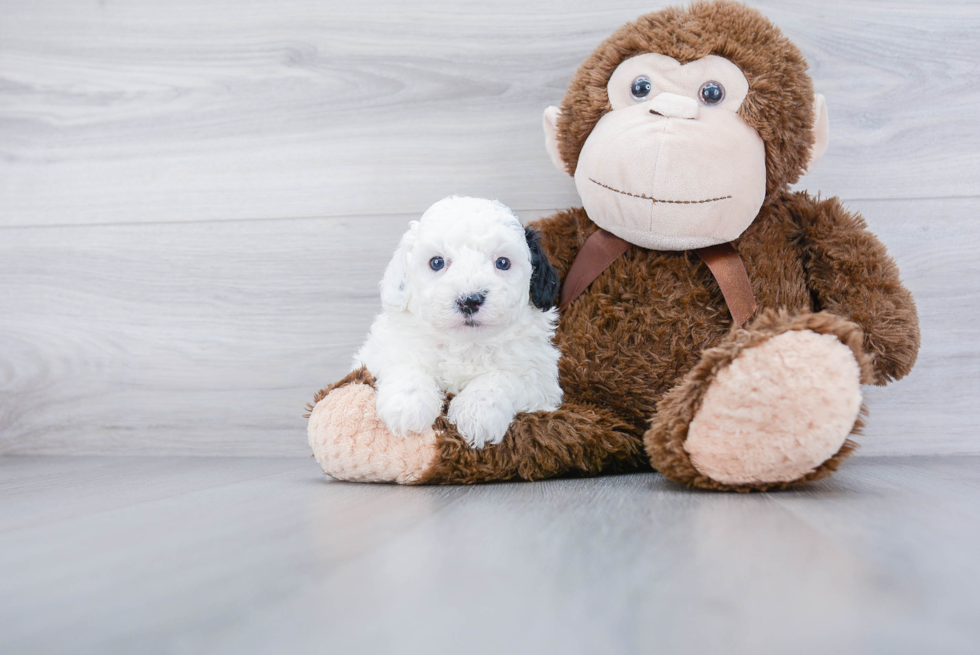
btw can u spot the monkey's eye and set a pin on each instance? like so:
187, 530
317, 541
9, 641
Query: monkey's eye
503, 263
437, 263
711, 93
641, 88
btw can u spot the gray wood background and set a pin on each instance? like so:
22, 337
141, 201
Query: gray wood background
198, 197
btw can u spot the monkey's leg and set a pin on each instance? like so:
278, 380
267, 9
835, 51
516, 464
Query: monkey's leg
351, 443
770, 407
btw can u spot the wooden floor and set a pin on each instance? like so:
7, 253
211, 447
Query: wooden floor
259, 555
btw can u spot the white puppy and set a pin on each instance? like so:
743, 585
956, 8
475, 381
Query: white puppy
468, 304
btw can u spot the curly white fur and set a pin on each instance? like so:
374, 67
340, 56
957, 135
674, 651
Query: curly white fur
498, 360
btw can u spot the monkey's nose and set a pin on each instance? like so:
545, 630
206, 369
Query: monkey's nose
671, 105
470, 303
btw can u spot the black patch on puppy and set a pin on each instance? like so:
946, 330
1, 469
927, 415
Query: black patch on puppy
544, 278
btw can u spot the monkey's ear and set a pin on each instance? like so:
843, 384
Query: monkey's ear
551, 115
394, 284
544, 278
821, 131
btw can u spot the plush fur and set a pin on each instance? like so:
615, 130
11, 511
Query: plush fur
468, 309
643, 346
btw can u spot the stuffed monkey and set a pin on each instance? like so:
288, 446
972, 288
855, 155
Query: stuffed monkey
716, 327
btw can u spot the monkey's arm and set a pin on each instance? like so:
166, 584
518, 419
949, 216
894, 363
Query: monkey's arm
851, 274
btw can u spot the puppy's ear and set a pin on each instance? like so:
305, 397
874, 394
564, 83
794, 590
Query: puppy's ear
394, 284
544, 278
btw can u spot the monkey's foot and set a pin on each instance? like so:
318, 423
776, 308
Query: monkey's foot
350, 442
772, 407
778, 411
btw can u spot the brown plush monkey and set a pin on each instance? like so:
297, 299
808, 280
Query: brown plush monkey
717, 326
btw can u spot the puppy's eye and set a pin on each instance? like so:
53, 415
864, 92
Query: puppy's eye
641, 87
711, 93
503, 263
437, 263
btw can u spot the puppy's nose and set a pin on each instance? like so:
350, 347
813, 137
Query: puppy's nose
470, 303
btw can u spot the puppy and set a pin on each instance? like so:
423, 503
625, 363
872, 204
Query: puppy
468, 308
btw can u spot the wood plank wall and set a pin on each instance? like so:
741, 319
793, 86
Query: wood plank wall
198, 197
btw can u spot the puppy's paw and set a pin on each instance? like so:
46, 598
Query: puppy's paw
480, 418
408, 410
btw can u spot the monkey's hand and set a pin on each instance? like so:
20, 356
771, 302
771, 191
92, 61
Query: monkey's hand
851, 274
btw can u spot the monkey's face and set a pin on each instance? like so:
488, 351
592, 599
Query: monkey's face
673, 166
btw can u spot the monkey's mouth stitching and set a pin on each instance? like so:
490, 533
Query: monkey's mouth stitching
669, 202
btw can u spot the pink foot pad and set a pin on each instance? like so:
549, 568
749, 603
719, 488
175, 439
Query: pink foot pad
778, 411
351, 443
